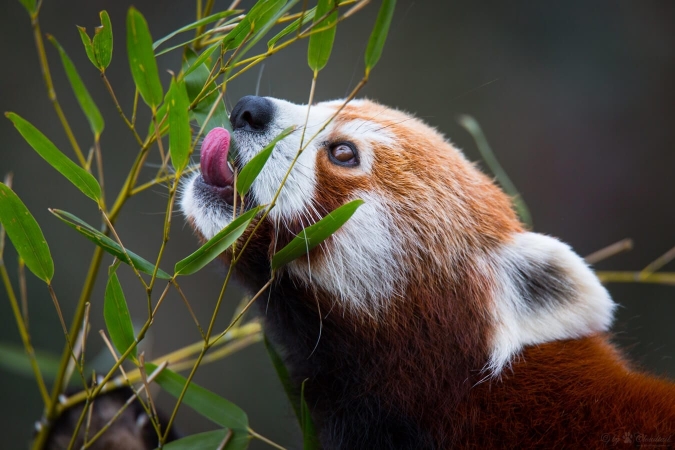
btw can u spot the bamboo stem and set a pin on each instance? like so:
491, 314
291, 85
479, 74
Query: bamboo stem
25, 336
51, 93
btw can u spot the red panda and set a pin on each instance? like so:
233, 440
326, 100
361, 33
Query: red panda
432, 319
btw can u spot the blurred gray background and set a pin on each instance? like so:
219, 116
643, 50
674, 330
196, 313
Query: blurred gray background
576, 98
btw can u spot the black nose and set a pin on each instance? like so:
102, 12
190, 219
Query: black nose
252, 113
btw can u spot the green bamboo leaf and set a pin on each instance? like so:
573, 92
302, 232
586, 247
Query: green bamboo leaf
2, 229
193, 25
88, 46
103, 41
321, 43
180, 133
208, 404
258, 17
216, 245
315, 234
210, 440
183, 45
206, 54
379, 34
82, 179
142, 59
25, 234
117, 317
252, 169
284, 377
108, 244
29, 5
309, 438
81, 93
13, 358
308, 17
194, 81
471, 125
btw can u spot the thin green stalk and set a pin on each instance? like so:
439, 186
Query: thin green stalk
112, 230
205, 12
46, 74
69, 341
265, 440
135, 108
209, 80
309, 106
85, 412
225, 440
658, 263
165, 234
609, 251
471, 125
130, 181
50, 414
157, 181
205, 347
88, 424
98, 156
25, 336
636, 277
242, 312
187, 304
130, 124
302, 15
119, 412
23, 291
158, 139
167, 217
220, 353
233, 337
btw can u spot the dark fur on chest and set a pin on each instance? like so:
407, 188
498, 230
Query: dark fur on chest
370, 384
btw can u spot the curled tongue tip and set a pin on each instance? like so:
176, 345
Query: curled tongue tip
213, 161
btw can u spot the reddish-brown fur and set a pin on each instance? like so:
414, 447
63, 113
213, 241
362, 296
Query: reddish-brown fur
571, 394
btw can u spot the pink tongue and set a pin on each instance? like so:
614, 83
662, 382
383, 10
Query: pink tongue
213, 161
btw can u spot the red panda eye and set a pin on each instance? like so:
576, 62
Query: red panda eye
344, 155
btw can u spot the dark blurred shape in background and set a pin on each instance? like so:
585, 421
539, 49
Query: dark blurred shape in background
575, 97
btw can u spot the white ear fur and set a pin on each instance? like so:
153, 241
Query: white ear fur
543, 292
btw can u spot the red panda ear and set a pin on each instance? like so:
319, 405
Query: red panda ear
543, 292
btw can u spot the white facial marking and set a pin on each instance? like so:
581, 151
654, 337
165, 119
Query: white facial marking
208, 216
566, 299
298, 191
361, 266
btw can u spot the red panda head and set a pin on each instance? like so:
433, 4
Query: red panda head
434, 236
